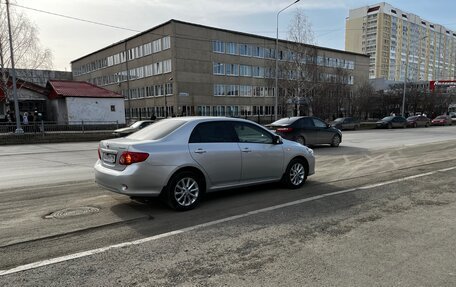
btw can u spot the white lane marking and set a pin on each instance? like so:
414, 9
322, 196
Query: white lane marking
191, 228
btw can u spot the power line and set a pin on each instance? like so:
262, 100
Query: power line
74, 18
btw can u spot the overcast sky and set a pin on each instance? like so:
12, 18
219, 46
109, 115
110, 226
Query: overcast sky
70, 39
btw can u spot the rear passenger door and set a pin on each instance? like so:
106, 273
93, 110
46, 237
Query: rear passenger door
307, 130
325, 134
213, 145
348, 124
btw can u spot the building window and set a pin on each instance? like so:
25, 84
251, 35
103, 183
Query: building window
258, 52
246, 110
232, 90
219, 90
169, 88
158, 68
113, 108
245, 50
245, 91
231, 48
232, 69
166, 42
258, 72
245, 70
167, 66
156, 45
147, 49
218, 46
159, 90
219, 69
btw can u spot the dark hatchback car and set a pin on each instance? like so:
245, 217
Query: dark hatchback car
418, 121
392, 122
347, 123
307, 131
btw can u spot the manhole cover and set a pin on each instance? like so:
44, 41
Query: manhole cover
73, 211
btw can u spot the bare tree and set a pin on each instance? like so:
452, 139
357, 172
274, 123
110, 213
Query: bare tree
298, 67
365, 102
27, 49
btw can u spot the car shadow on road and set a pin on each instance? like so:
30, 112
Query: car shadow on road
225, 204
340, 150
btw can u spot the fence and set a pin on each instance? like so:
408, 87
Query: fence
45, 131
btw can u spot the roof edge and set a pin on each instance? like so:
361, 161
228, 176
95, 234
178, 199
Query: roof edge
214, 28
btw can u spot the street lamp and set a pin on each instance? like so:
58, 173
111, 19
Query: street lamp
276, 104
405, 82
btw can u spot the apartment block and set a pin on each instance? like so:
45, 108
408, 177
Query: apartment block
401, 44
179, 68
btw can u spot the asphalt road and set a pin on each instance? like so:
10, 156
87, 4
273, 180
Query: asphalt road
379, 211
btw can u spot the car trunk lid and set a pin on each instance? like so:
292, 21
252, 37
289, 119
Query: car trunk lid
109, 152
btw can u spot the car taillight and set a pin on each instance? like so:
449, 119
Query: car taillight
99, 153
285, 130
129, 157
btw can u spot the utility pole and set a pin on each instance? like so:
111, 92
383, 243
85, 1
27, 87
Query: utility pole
19, 130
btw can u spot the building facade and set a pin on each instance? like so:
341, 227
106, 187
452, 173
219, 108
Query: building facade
27, 79
73, 103
180, 69
401, 43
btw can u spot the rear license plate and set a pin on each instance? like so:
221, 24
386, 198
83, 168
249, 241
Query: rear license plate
109, 157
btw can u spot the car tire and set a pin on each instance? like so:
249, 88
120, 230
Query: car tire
301, 140
355, 127
415, 125
296, 174
390, 125
335, 142
426, 125
184, 191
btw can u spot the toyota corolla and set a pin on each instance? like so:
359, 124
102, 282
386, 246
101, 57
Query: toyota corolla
180, 159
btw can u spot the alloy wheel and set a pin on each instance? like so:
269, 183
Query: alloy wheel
186, 191
297, 174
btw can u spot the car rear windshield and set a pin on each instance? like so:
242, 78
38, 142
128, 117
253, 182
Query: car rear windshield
412, 118
157, 130
137, 124
441, 117
388, 118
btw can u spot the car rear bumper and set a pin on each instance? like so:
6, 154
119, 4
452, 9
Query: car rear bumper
135, 180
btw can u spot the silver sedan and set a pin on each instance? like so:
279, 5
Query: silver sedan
180, 159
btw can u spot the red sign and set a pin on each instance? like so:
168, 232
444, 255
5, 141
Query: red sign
445, 83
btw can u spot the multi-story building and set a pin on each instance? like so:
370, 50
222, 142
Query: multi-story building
399, 42
180, 68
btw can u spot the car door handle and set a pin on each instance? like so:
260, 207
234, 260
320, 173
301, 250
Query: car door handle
200, 151
246, 150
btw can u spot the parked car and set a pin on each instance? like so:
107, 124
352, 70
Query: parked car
442, 120
179, 159
347, 123
123, 132
392, 122
453, 116
307, 131
418, 121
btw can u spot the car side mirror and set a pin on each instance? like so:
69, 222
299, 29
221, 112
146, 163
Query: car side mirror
277, 139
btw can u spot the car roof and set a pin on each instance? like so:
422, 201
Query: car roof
207, 118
